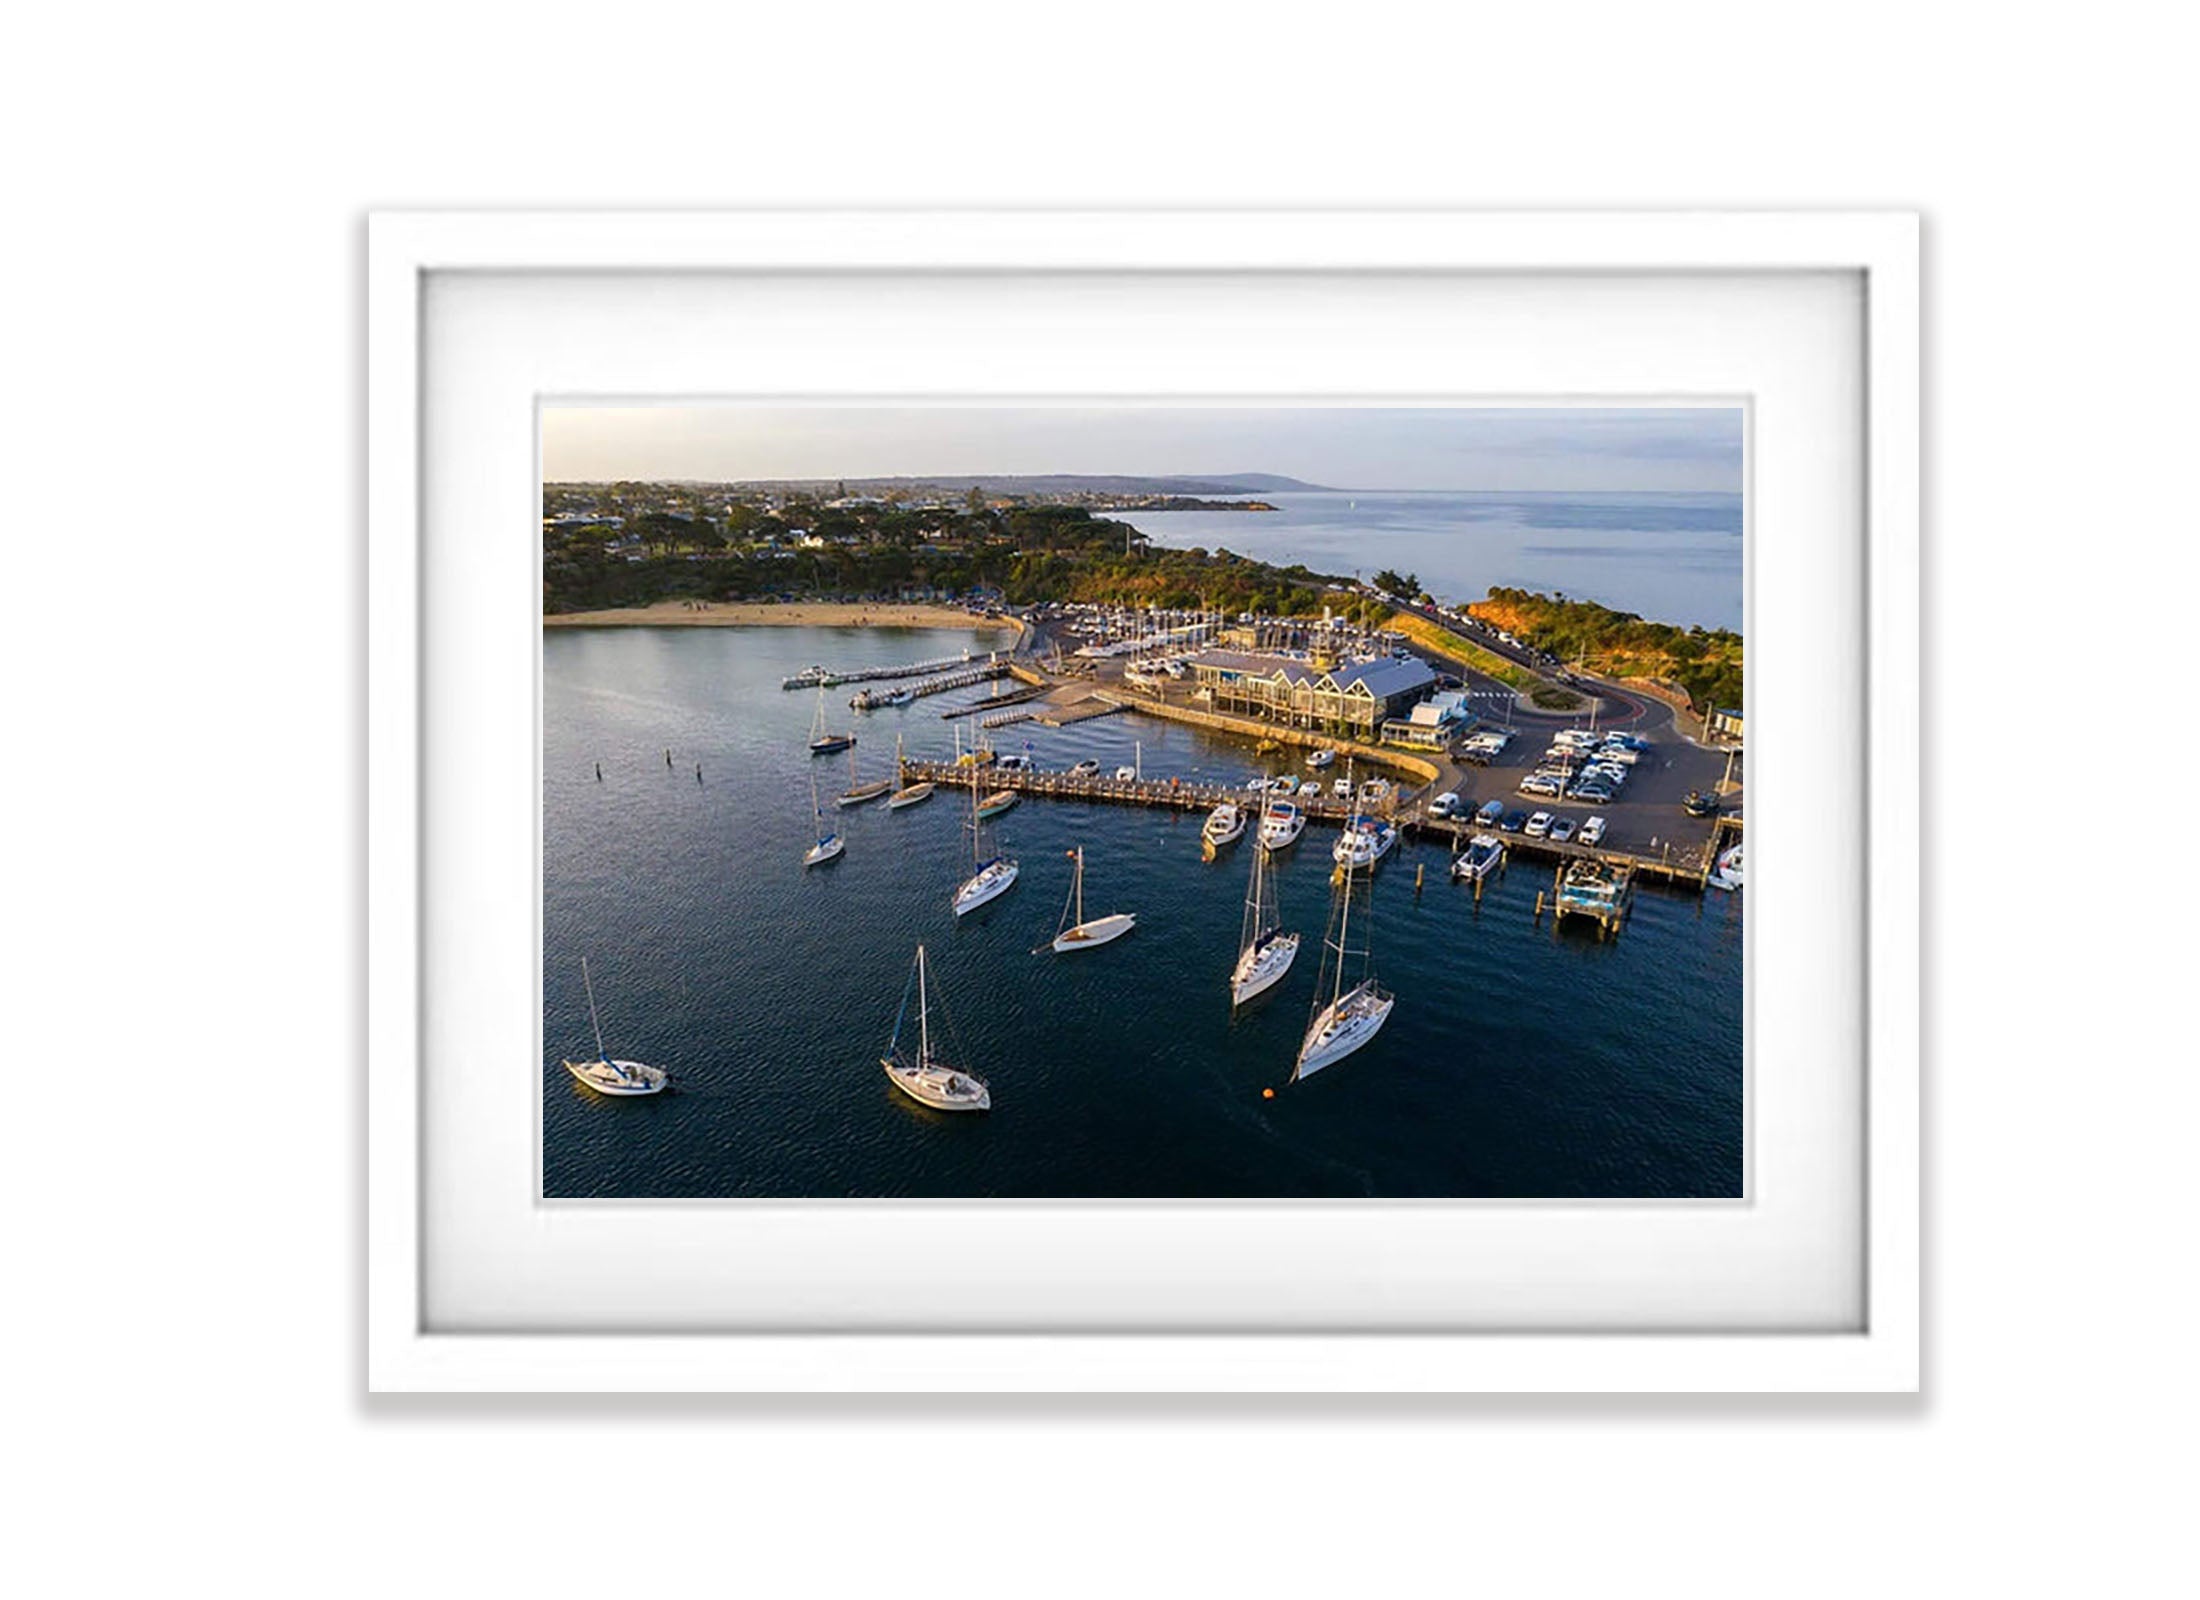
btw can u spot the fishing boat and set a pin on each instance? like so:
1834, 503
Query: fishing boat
1349, 1018
1224, 825
1080, 934
994, 876
822, 741
1126, 774
1265, 952
924, 1077
858, 793
1365, 841
1726, 872
1085, 769
603, 1074
1281, 823
1480, 858
829, 844
997, 802
1321, 758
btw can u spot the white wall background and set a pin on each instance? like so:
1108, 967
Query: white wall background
182, 647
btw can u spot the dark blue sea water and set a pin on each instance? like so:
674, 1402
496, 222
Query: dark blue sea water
1668, 557
1517, 1062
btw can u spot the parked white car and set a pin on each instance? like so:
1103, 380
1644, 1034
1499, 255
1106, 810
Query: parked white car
1539, 825
1592, 831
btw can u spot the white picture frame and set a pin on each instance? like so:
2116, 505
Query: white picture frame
410, 253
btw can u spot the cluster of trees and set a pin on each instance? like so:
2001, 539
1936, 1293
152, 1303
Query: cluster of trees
1029, 553
1706, 663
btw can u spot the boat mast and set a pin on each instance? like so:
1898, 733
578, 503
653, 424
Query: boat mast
1078, 886
592, 1022
924, 1015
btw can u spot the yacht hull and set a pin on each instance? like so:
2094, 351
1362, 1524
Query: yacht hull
938, 1087
1262, 969
1099, 931
824, 851
975, 893
1341, 1028
914, 794
638, 1080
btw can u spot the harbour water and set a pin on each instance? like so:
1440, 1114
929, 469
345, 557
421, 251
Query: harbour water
1517, 1063
1668, 557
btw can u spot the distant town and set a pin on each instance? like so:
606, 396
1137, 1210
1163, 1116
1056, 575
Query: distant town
1011, 545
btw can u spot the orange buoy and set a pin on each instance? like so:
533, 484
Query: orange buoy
1268, 1094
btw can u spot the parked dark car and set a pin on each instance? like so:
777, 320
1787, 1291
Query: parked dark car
1491, 814
1699, 804
1514, 822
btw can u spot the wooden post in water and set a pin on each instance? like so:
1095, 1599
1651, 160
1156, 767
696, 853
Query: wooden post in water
1419, 870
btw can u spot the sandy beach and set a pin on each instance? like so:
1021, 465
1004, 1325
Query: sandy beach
800, 614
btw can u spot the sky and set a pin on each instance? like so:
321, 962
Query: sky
1345, 447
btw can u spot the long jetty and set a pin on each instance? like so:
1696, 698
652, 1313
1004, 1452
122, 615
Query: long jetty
1683, 868
863, 701
816, 677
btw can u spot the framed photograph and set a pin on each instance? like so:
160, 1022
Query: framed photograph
1047, 801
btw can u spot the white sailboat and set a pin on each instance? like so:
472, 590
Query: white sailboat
1266, 952
995, 876
923, 1077
1350, 1017
914, 793
829, 844
603, 1074
823, 742
859, 793
1083, 935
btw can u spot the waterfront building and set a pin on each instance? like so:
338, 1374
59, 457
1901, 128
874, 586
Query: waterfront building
1726, 722
1352, 698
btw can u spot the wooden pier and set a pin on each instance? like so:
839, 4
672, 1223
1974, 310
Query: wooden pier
953, 680
812, 679
1683, 869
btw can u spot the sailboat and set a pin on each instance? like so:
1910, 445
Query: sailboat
822, 742
1083, 935
1266, 951
603, 1074
925, 1078
829, 844
856, 793
994, 877
1350, 1017
911, 795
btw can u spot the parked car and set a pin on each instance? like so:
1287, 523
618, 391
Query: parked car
1539, 825
1699, 804
1491, 813
1513, 822
1445, 804
1562, 829
1592, 831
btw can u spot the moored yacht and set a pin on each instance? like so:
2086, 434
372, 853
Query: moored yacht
1224, 825
1726, 872
1365, 841
605, 1075
1080, 934
1320, 759
1281, 824
924, 1077
1480, 858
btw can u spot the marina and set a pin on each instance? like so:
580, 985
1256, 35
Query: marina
1136, 1072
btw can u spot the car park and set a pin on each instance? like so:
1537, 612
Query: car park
1539, 825
1592, 831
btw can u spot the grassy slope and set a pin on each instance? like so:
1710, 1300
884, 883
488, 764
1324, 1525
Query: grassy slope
1444, 642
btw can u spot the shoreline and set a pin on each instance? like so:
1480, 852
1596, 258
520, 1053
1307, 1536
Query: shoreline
796, 614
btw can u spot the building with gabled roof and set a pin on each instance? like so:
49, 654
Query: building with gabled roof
1352, 698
